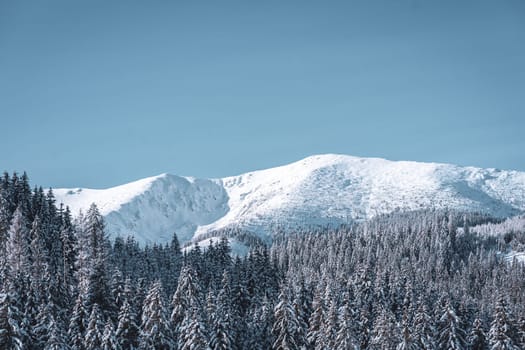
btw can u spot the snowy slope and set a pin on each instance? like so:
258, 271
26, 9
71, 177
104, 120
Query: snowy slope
324, 189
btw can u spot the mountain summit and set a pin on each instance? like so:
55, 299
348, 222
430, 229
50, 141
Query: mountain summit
318, 190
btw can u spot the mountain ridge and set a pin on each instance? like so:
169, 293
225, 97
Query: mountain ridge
317, 190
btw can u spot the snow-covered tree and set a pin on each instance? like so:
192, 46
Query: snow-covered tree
155, 332
451, 334
346, 338
78, 325
477, 339
18, 251
500, 333
94, 330
127, 329
185, 298
57, 339
384, 334
109, 341
424, 331
192, 334
286, 324
10, 331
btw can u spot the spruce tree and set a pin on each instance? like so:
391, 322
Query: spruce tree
78, 325
155, 332
95, 329
346, 339
451, 334
18, 252
127, 329
424, 331
286, 323
384, 333
184, 298
500, 334
192, 334
477, 339
109, 341
57, 339
10, 331
222, 319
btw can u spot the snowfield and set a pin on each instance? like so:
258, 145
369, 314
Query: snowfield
318, 190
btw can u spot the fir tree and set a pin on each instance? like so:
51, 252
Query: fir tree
95, 329
424, 332
155, 332
109, 341
10, 331
78, 325
57, 337
286, 324
477, 339
192, 334
500, 334
222, 319
18, 251
383, 335
127, 329
185, 297
451, 334
345, 339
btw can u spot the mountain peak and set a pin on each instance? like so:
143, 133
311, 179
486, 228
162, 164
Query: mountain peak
317, 190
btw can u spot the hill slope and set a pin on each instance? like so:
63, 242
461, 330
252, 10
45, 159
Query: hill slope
323, 189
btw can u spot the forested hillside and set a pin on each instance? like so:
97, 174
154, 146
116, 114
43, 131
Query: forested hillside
416, 280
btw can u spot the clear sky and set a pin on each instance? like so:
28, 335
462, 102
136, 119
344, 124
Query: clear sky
98, 93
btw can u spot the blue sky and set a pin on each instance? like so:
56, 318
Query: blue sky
98, 93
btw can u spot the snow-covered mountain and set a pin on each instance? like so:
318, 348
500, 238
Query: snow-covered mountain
318, 190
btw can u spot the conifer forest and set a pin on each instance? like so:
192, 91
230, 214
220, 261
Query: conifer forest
429, 279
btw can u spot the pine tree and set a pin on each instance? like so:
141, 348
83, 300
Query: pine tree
407, 341
383, 335
10, 331
94, 229
78, 325
330, 324
286, 323
345, 339
127, 329
95, 329
424, 332
155, 332
222, 319
57, 337
521, 331
477, 339
192, 334
500, 334
46, 316
300, 308
315, 333
109, 341
185, 297
259, 333
451, 334
4, 235
18, 251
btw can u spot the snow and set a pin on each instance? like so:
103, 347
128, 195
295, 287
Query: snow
515, 256
318, 190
